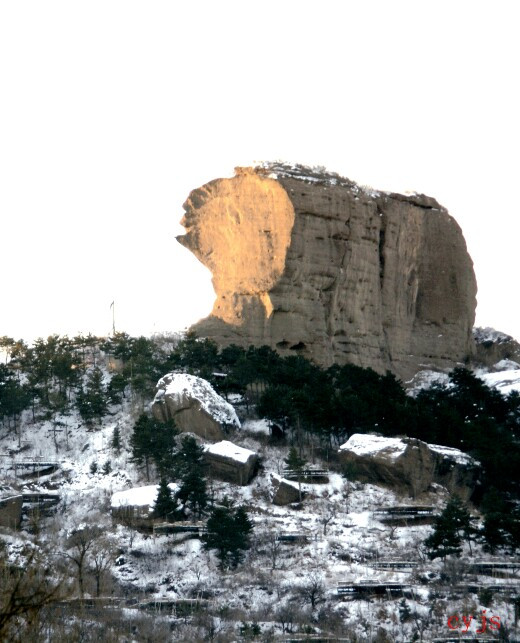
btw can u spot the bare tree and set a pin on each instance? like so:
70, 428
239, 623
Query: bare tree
79, 543
313, 590
285, 616
327, 515
102, 556
273, 546
24, 591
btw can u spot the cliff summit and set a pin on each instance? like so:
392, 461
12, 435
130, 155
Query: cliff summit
310, 263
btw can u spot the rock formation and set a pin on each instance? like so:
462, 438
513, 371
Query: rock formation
493, 347
310, 263
230, 462
410, 465
283, 492
194, 406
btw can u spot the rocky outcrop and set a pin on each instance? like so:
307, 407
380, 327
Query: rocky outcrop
230, 462
284, 492
493, 347
194, 406
136, 505
310, 263
409, 465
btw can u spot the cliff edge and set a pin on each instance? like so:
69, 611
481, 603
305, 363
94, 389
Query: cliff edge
310, 263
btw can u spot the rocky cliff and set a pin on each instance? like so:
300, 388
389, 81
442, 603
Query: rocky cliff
310, 263
410, 465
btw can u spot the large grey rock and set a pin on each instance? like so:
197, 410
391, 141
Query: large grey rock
409, 465
194, 406
310, 263
283, 492
493, 347
231, 462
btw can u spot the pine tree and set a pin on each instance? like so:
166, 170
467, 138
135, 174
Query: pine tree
153, 440
92, 400
166, 505
296, 464
115, 443
193, 492
405, 613
190, 467
453, 523
229, 532
140, 441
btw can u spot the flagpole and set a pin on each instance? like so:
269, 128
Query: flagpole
112, 305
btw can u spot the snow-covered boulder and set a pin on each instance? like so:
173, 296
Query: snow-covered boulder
283, 492
194, 406
136, 503
231, 462
409, 465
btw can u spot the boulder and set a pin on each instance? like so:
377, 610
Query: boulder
230, 462
136, 505
194, 406
310, 263
283, 492
409, 465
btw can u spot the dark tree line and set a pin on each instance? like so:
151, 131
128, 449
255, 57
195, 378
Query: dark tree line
500, 530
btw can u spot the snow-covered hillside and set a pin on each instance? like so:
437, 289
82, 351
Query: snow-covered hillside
300, 555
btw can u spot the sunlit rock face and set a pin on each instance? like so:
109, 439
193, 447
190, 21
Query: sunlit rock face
310, 263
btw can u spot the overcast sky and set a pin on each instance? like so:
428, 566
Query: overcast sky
111, 112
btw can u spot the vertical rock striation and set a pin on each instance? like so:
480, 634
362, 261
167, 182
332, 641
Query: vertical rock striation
310, 263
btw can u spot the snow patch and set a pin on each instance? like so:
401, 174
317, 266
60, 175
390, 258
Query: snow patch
229, 450
505, 381
139, 496
366, 444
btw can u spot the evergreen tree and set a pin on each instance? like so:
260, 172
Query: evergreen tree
190, 467
115, 443
296, 464
116, 388
152, 440
166, 505
229, 532
92, 400
140, 441
449, 528
405, 613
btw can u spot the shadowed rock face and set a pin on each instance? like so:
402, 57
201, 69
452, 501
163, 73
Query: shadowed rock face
310, 263
410, 465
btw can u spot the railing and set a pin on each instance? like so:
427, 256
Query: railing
370, 588
394, 564
288, 537
291, 474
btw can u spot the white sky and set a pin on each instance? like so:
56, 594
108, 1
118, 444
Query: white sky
112, 111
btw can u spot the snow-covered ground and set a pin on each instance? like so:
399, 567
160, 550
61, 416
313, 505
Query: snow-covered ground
342, 536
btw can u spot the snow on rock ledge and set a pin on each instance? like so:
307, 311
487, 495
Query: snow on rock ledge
231, 462
410, 465
194, 406
138, 501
